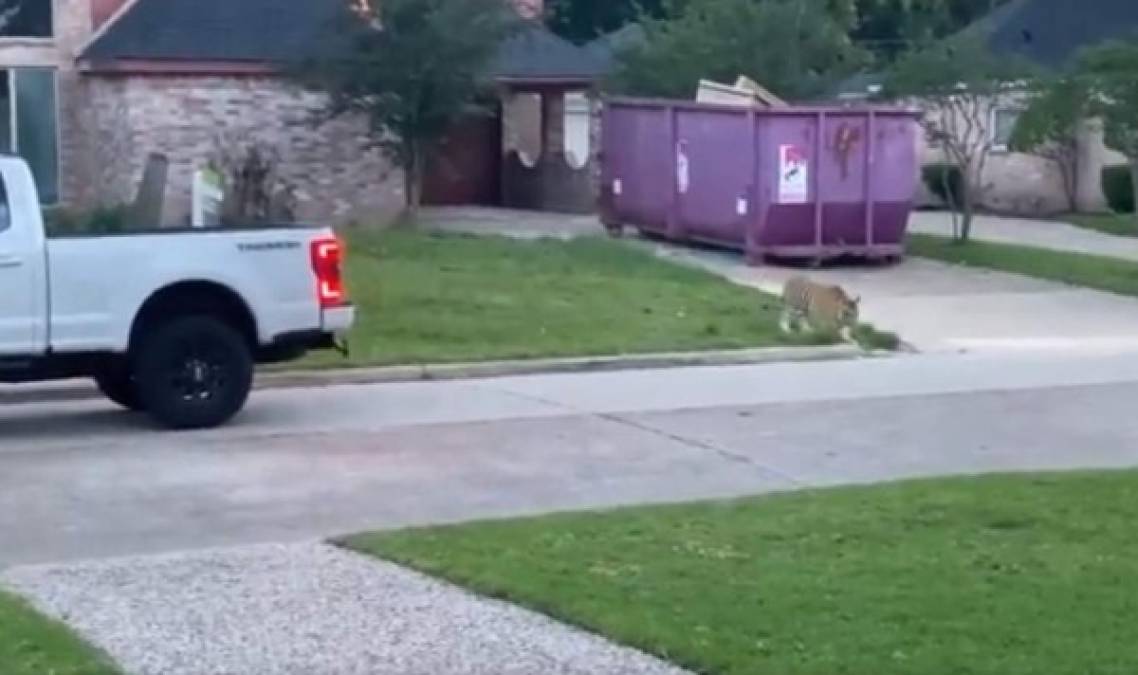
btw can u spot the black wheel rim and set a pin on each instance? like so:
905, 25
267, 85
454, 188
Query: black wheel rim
198, 371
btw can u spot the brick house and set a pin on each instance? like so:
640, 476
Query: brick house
91, 87
1048, 34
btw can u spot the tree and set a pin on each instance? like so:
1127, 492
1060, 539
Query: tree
885, 27
8, 11
411, 69
795, 48
959, 84
584, 20
1109, 73
889, 27
1049, 128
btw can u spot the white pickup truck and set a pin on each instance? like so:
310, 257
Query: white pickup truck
169, 322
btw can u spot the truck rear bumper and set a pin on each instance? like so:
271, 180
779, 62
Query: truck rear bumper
334, 326
338, 320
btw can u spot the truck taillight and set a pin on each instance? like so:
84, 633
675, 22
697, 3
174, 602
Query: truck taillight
327, 263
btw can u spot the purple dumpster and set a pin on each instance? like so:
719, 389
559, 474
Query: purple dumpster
760, 180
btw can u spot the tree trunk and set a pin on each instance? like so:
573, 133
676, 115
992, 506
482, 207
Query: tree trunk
967, 208
950, 200
1134, 182
1069, 167
413, 181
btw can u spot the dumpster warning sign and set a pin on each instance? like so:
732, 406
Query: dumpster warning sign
683, 168
793, 175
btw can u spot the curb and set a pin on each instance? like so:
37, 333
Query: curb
79, 390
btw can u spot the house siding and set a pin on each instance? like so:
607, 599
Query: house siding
1013, 183
1023, 184
336, 174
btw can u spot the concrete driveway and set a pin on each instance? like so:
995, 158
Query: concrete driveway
937, 307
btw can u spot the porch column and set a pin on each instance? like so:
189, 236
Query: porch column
552, 124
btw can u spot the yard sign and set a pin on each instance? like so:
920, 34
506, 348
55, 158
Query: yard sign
207, 197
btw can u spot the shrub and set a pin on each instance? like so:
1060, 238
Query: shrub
1118, 186
876, 340
255, 192
62, 221
950, 191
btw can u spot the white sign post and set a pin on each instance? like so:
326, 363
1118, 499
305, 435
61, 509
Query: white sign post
208, 194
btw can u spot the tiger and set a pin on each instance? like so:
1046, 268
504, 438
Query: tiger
822, 308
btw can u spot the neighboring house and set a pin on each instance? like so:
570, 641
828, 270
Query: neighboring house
92, 87
1050, 34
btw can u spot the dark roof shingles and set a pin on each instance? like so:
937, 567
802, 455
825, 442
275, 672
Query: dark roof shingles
276, 31
1051, 33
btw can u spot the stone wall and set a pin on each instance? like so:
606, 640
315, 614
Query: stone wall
336, 174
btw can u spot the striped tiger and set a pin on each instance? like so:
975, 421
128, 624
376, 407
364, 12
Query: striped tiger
821, 308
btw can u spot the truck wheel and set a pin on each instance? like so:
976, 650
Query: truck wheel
193, 372
117, 385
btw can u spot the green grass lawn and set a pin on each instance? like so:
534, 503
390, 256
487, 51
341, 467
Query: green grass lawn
1121, 224
32, 645
997, 575
1105, 274
449, 298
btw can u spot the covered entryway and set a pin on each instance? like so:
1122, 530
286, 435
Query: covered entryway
535, 149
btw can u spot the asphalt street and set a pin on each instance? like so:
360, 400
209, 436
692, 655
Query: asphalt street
85, 480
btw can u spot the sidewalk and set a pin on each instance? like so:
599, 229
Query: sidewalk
1039, 233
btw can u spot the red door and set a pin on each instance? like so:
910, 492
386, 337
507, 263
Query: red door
465, 168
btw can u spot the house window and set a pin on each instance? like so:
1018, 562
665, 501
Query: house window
1003, 125
25, 18
28, 124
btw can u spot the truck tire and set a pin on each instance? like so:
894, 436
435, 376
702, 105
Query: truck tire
193, 372
118, 386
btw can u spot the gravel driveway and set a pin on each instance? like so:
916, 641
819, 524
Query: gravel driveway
306, 609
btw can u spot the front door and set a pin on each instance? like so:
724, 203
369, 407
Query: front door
464, 168
19, 302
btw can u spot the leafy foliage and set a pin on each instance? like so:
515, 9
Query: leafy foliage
1108, 71
1049, 128
960, 83
796, 48
888, 28
255, 191
61, 221
583, 20
411, 69
885, 27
